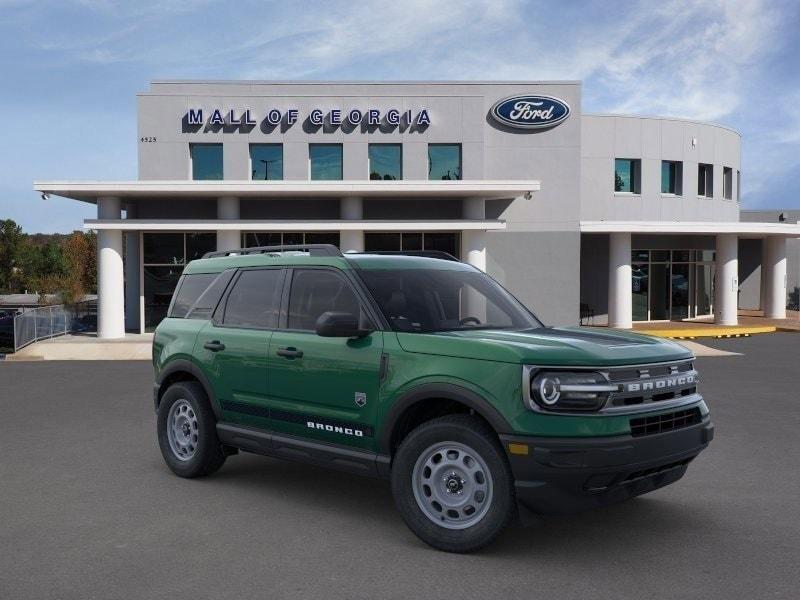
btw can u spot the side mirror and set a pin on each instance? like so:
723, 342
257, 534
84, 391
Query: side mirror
339, 324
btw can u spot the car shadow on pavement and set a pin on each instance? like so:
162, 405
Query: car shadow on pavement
620, 529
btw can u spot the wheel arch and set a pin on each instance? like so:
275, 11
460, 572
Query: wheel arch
183, 370
411, 403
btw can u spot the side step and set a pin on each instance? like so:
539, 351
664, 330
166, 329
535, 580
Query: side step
267, 443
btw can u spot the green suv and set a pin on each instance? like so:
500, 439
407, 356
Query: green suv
423, 371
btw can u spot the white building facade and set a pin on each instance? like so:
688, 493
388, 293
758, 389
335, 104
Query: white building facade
592, 218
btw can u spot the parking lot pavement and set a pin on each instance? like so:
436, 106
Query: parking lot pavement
88, 509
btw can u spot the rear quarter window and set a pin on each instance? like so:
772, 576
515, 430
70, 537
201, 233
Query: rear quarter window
190, 288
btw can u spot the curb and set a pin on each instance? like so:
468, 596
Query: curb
707, 332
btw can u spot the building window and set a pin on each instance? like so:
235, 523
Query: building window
385, 162
727, 183
444, 161
325, 161
705, 180
266, 162
671, 177
251, 239
445, 241
627, 175
165, 255
206, 161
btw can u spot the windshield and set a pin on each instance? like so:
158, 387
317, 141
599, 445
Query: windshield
430, 300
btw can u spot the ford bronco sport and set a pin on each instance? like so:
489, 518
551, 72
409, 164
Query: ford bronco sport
424, 371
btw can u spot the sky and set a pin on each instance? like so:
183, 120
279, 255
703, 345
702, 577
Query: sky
70, 70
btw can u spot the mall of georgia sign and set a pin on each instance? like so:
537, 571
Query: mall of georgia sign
530, 112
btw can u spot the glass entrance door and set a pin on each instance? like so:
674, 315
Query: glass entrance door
681, 285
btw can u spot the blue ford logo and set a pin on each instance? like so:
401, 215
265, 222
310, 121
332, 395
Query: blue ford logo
530, 112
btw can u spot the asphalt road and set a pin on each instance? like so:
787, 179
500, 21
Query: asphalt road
89, 510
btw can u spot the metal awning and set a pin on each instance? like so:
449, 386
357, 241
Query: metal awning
293, 225
89, 191
743, 229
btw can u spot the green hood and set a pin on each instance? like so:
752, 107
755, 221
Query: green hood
579, 346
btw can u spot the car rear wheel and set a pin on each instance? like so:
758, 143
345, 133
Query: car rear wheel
187, 433
452, 483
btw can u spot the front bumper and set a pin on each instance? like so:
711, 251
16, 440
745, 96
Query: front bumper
567, 475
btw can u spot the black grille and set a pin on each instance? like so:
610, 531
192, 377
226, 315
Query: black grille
636, 475
665, 422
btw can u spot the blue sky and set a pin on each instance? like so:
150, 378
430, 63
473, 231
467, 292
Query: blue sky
70, 70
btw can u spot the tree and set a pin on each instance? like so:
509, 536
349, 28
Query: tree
80, 256
11, 242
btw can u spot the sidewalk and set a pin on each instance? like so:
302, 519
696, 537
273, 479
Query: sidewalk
88, 347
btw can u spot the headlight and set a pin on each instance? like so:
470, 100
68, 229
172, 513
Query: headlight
569, 391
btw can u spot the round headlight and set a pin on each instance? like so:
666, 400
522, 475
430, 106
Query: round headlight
549, 390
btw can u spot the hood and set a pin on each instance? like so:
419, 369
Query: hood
578, 346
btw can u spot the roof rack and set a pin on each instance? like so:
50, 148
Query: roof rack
440, 254
312, 249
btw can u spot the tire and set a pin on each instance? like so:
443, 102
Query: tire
191, 448
456, 462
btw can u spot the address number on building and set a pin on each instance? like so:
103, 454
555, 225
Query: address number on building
147, 139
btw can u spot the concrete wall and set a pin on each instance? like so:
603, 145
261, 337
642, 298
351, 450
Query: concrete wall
542, 243
652, 140
751, 286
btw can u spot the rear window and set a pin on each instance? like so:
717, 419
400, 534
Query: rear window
189, 290
255, 299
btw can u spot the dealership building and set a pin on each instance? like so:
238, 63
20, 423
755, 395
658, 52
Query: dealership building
593, 218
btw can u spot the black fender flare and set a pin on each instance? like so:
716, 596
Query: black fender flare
446, 391
185, 366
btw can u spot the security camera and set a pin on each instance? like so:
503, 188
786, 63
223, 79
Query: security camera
528, 195
45, 196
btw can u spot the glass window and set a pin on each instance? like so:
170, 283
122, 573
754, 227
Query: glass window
671, 176
254, 300
444, 161
412, 241
428, 300
206, 161
205, 305
197, 244
381, 242
640, 255
385, 162
159, 284
316, 291
705, 180
727, 183
659, 255
163, 248
445, 241
292, 238
626, 175
325, 161
257, 238
266, 162
322, 237
189, 290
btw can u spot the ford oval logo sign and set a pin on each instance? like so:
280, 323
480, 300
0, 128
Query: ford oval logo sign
530, 112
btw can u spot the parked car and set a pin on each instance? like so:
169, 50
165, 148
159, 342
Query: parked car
423, 371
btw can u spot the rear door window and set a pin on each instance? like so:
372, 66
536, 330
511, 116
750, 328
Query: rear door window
254, 301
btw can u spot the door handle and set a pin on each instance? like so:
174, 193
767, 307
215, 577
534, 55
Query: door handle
290, 352
214, 346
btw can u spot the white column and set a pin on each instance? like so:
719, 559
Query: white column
473, 243
726, 284
110, 278
228, 208
351, 209
620, 297
774, 272
132, 275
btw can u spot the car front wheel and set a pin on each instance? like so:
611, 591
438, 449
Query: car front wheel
452, 483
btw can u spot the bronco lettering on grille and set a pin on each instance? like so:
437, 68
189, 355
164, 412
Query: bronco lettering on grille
660, 384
